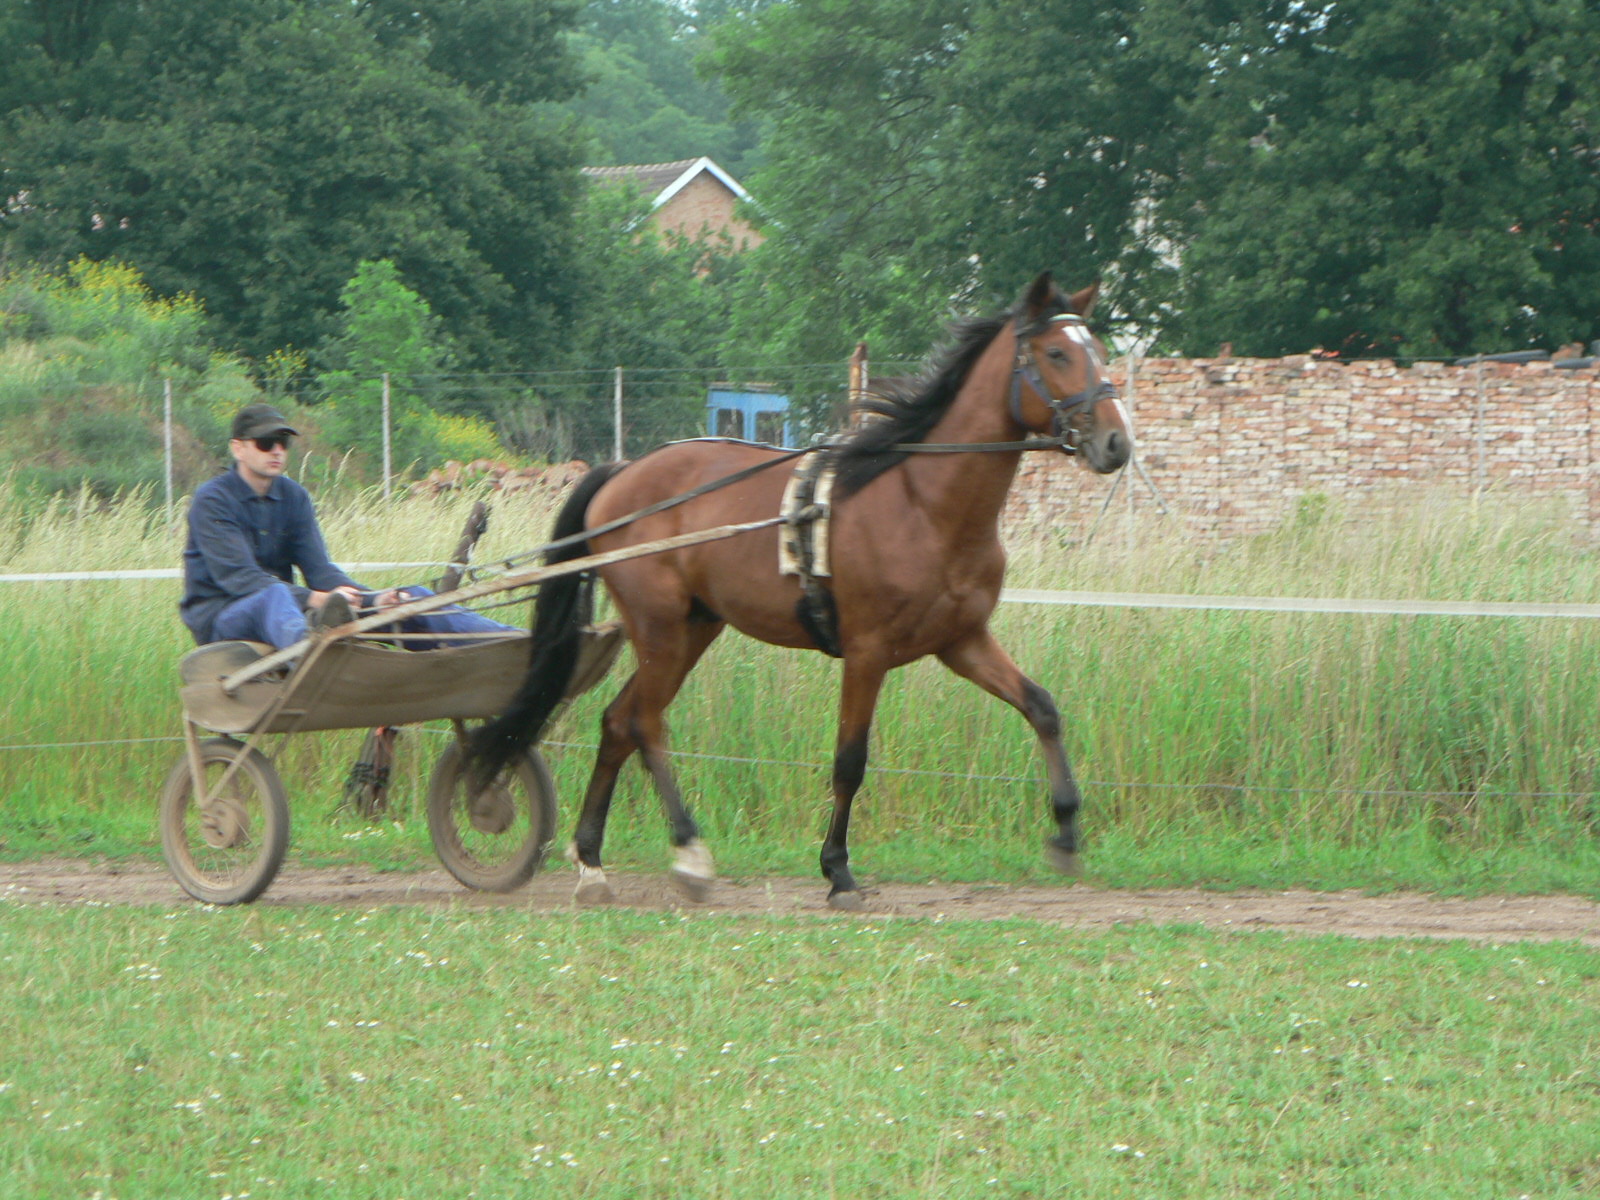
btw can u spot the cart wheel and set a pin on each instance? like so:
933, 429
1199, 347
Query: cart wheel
228, 851
494, 841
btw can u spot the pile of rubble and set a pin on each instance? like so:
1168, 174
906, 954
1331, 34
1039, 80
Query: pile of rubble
500, 477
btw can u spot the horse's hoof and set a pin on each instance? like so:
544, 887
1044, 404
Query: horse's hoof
592, 888
1065, 861
694, 888
693, 871
851, 901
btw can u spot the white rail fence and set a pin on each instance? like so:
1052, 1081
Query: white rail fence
1273, 604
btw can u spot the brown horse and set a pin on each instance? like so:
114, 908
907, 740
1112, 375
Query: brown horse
915, 556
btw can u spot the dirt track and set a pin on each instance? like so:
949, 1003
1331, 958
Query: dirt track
1498, 919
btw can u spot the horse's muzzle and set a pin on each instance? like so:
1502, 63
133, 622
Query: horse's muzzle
1106, 451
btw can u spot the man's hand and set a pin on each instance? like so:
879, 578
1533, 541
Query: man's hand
316, 600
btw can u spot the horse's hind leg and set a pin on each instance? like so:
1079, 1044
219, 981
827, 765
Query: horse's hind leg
634, 721
982, 659
587, 838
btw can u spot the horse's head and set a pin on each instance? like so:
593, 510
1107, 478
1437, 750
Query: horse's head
1059, 382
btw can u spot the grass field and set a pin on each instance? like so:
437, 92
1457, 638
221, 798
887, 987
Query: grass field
403, 1053
1452, 754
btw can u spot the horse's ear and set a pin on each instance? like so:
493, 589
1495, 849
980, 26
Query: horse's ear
1083, 302
1037, 301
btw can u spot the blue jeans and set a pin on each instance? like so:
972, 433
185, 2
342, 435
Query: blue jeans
273, 615
450, 619
270, 615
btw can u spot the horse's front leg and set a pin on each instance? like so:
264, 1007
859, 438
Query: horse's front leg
982, 659
858, 698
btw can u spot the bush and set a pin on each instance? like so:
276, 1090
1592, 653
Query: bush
102, 447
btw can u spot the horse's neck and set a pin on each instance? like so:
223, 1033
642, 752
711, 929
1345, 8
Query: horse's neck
966, 492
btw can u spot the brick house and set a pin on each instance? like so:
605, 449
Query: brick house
693, 197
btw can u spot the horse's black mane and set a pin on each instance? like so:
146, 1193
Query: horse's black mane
906, 410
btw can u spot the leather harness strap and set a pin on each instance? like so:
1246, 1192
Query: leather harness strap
803, 545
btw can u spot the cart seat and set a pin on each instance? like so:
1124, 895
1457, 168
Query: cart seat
357, 684
217, 660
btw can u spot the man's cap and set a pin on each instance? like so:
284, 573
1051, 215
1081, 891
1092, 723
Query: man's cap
260, 420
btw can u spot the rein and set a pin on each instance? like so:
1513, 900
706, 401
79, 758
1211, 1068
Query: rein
1025, 370
650, 510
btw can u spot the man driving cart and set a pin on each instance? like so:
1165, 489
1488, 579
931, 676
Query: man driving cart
251, 527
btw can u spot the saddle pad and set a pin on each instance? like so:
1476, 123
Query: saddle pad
807, 512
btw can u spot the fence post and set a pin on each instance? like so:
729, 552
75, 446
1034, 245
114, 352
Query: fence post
616, 417
860, 369
388, 456
1132, 360
166, 425
1480, 468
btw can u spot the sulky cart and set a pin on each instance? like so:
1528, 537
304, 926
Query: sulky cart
224, 814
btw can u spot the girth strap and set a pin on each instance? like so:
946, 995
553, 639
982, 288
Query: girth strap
803, 545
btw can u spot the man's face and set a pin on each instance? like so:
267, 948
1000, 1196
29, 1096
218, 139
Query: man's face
262, 458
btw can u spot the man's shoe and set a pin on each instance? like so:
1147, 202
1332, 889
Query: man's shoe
335, 611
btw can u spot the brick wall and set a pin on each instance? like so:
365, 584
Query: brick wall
1232, 444
705, 206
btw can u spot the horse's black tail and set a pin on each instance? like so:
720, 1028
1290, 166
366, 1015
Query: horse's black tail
562, 608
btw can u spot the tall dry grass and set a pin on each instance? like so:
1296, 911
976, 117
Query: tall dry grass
1215, 746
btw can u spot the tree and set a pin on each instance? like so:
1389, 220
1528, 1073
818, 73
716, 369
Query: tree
653, 302
926, 160
1277, 174
387, 329
254, 151
643, 100
1393, 177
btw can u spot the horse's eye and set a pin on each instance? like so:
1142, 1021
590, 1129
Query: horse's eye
1057, 353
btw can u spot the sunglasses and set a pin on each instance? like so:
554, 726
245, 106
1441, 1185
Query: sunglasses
268, 444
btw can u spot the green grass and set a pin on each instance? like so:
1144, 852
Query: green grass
1217, 748
498, 1053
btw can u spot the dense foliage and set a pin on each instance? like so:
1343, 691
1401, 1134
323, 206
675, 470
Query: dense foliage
926, 160
643, 100
253, 152
83, 357
1374, 177
1356, 175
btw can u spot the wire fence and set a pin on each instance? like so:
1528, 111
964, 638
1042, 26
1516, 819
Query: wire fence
1240, 789
168, 434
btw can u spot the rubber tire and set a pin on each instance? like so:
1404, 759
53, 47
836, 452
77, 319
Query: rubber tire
177, 802
522, 860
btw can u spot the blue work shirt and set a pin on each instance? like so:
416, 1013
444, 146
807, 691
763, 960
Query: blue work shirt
240, 542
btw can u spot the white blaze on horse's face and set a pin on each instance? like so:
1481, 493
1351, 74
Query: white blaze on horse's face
1072, 325
1077, 331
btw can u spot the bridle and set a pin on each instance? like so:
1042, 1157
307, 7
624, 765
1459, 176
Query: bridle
1026, 370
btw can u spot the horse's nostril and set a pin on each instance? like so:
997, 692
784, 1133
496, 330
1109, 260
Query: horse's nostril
1117, 444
